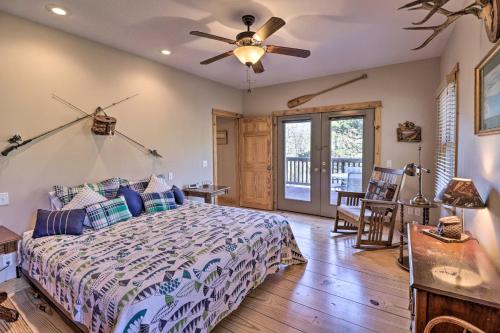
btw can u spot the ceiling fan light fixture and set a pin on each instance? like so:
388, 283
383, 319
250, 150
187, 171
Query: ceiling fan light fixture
57, 10
249, 55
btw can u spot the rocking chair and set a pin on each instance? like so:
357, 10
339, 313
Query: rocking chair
376, 209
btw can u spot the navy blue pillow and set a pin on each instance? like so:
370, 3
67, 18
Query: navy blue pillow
178, 195
59, 222
133, 200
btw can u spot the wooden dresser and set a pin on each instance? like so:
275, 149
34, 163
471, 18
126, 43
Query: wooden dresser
455, 279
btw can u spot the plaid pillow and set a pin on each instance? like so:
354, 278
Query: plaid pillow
158, 202
107, 213
138, 185
107, 188
380, 190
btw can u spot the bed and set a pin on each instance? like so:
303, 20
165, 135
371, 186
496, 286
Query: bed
182, 270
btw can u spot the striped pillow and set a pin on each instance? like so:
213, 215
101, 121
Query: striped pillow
107, 188
158, 202
58, 222
107, 213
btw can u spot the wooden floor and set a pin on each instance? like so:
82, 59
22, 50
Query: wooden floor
340, 289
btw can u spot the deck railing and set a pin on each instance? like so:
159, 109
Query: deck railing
298, 169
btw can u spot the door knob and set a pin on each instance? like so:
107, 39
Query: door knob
269, 168
323, 170
316, 169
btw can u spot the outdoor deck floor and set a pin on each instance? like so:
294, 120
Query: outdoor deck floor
303, 193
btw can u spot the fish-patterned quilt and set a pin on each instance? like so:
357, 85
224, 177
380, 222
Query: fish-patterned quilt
182, 270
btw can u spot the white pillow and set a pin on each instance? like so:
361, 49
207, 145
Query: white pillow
84, 198
157, 185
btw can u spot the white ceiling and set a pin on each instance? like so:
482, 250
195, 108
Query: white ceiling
343, 35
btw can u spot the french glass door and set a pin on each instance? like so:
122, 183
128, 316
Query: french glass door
320, 154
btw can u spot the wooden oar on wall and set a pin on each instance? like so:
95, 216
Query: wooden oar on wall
306, 98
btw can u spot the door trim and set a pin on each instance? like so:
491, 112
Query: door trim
329, 108
230, 115
374, 105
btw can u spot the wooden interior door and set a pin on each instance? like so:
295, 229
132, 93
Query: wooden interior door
256, 171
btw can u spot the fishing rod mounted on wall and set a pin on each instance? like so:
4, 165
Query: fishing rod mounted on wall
102, 125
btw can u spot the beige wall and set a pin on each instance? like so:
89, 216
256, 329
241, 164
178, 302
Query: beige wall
406, 91
227, 158
172, 114
478, 156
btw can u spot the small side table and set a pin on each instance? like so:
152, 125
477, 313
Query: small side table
208, 193
403, 260
8, 244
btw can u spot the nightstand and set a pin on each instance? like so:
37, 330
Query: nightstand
207, 192
8, 244
403, 260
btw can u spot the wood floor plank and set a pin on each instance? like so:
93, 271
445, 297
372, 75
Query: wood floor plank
19, 326
396, 288
297, 315
361, 264
367, 261
372, 298
46, 322
221, 329
14, 285
247, 320
350, 311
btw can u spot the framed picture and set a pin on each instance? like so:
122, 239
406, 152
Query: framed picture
222, 137
409, 132
487, 97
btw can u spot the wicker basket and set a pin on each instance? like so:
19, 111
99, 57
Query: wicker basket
450, 227
103, 124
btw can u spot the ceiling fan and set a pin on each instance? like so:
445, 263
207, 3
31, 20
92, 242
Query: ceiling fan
250, 47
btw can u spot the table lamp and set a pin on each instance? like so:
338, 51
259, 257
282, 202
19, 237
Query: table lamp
460, 193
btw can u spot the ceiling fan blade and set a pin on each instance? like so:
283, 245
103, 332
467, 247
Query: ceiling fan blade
269, 28
258, 67
289, 51
218, 57
220, 39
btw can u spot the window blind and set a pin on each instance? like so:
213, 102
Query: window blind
446, 136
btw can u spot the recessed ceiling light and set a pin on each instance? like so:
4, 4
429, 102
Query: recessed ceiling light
57, 10
166, 52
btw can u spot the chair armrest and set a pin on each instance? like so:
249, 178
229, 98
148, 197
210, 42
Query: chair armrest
349, 194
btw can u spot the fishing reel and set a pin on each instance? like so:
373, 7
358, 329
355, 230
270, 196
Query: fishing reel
16, 138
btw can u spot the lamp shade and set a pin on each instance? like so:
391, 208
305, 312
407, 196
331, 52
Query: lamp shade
461, 193
249, 55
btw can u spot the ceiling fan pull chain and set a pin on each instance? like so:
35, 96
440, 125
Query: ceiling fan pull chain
249, 90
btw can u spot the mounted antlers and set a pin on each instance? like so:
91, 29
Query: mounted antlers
487, 10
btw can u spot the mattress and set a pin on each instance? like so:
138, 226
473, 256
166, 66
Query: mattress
182, 270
